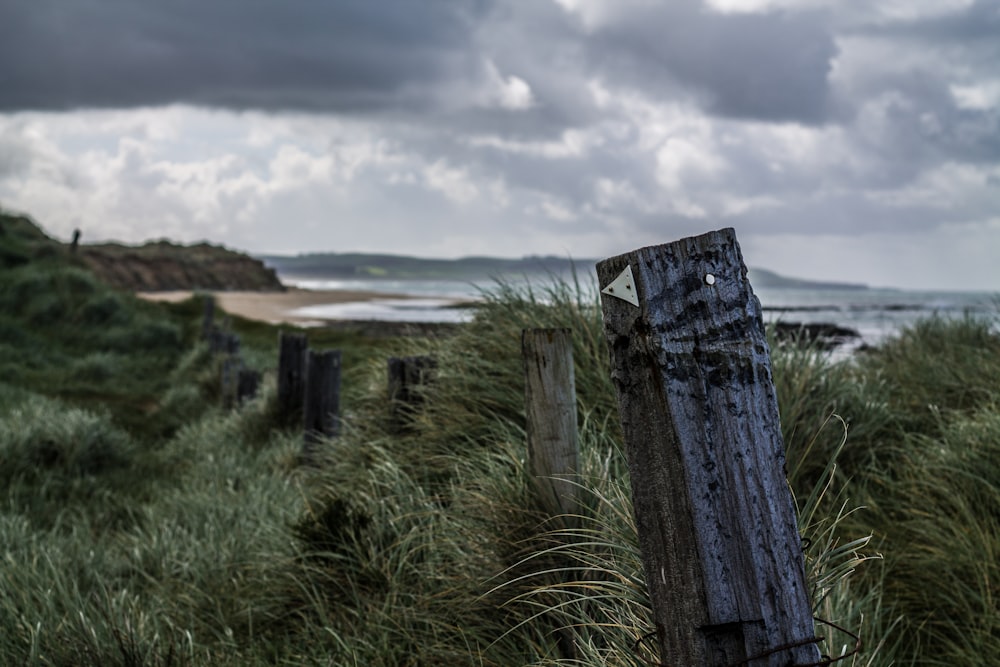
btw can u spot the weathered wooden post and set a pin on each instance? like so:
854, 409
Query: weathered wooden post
229, 345
75, 243
721, 551
247, 385
207, 316
221, 341
550, 409
406, 377
231, 367
292, 350
321, 409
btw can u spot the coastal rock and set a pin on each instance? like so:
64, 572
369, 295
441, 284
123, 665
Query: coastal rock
824, 335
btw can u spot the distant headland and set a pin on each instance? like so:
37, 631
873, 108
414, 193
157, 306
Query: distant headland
369, 266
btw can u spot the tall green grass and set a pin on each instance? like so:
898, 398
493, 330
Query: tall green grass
198, 539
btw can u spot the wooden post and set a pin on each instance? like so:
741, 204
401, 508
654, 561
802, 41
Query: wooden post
406, 376
232, 366
691, 366
292, 350
75, 243
208, 316
321, 411
550, 409
223, 342
247, 385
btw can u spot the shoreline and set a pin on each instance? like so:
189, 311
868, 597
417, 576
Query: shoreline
278, 307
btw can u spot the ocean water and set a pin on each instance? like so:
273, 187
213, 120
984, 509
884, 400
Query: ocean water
873, 313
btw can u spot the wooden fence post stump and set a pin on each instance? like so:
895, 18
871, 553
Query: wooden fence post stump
231, 366
207, 316
216, 340
292, 350
321, 409
721, 550
406, 377
229, 345
550, 409
247, 384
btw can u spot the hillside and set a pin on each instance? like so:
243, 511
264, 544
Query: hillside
156, 266
765, 278
366, 266
161, 266
362, 266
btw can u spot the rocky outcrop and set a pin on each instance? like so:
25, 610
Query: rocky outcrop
163, 266
823, 335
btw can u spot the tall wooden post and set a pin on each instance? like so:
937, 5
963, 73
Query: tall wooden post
550, 409
321, 411
207, 316
291, 375
232, 365
229, 346
247, 385
406, 376
691, 366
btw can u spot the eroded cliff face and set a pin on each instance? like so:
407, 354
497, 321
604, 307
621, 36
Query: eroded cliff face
163, 266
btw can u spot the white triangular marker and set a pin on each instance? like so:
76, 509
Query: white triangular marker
623, 287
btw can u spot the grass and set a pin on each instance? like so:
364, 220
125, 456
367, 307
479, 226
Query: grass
142, 524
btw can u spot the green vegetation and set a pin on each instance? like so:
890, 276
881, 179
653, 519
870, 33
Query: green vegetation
362, 266
141, 524
403, 267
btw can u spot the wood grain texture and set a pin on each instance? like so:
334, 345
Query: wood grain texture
550, 409
408, 377
292, 349
321, 409
716, 520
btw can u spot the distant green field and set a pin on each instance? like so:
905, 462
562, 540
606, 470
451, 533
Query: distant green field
143, 524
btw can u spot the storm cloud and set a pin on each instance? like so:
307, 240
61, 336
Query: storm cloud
583, 127
295, 54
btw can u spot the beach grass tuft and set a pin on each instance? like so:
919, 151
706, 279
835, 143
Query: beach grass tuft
141, 523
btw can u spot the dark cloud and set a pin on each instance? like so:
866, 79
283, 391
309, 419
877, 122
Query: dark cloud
937, 55
365, 55
491, 124
298, 54
770, 67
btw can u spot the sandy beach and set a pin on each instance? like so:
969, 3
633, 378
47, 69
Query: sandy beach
278, 307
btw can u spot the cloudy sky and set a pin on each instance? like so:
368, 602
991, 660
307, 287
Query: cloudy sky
843, 139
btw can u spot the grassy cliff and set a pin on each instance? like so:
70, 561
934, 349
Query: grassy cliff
162, 265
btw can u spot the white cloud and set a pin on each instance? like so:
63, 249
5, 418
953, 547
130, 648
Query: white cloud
756, 6
572, 143
679, 160
557, 211
507, 92
455, 184
910, 10
981, 96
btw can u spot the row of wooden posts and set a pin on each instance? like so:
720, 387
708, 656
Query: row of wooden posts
721, 551
239, 382
309, 382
